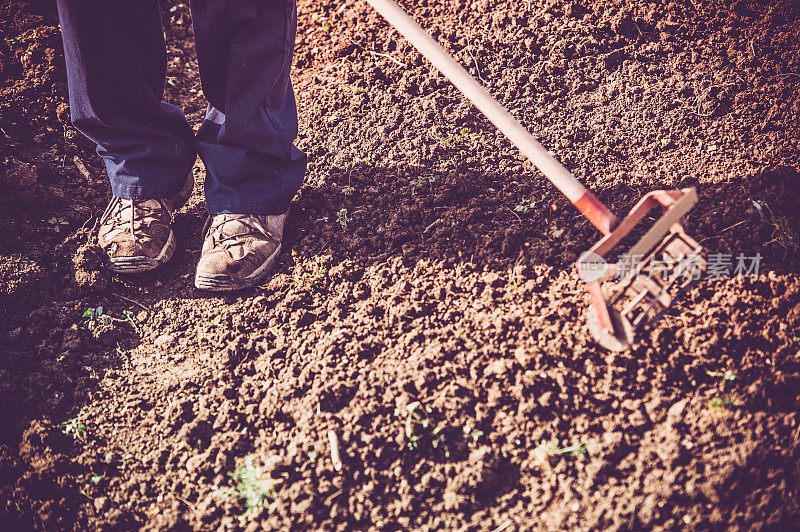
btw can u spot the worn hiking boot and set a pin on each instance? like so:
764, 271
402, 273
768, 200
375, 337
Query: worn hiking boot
136, 234
239, 250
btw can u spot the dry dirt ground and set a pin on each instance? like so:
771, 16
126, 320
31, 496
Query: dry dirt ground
421, 316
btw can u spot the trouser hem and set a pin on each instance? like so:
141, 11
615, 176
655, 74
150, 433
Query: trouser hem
121, 190
246, 207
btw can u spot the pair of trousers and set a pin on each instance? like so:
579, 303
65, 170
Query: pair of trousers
116, 73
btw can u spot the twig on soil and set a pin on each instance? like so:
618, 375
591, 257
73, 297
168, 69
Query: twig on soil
734, 225
477, 68
82, 168
187, 503
379, 256
431, 226
335, 457
132, 301
387, 56
332, 496
505, 524
515, 214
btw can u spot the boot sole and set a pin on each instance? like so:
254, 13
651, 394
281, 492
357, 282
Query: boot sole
216, 282
143, 263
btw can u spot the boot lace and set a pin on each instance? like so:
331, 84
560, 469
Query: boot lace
137, 212
216, 231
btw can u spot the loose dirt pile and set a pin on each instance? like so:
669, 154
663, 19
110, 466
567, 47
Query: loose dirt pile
425, 311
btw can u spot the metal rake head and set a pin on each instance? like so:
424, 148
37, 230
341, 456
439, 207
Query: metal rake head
645, 280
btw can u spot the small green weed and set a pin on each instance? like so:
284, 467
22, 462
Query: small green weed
578, 450
75, 427
131, 318
126, 462
93, 319
312, 273
422, 429
724, 376
95, 479
343, 218
471, 433
419, 182
524, 206
725, 399
57, 223
783, 233
251, 485
456, 139
323, 21
347, 191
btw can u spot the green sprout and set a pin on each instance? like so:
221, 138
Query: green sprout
524, 206
131, 318
342, 218
95, 479
726, 376
419, 182
251, 485
74, 427
471, 433
57, 223
348, 190
127, 461
725, 399
317, 274
421, 429
93, 318
458, 138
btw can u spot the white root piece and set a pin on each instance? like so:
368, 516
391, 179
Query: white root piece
335, 456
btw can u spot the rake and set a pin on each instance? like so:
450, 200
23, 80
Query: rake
647, 279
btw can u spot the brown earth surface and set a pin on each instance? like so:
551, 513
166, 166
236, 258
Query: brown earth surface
430, 287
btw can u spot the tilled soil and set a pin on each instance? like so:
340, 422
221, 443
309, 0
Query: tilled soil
426, 311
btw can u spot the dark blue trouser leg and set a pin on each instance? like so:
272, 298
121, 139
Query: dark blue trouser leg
116, 66
116, 69
244, 49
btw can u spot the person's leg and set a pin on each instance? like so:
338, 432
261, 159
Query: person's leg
253, 170
244, 49
116, 70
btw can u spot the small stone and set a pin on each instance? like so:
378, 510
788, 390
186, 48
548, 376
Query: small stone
491, 279
546, 399
163, 340
100, 503
523, 356
498, 368
675, 412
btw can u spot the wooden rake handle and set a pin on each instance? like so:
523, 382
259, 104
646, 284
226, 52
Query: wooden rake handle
584, 200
